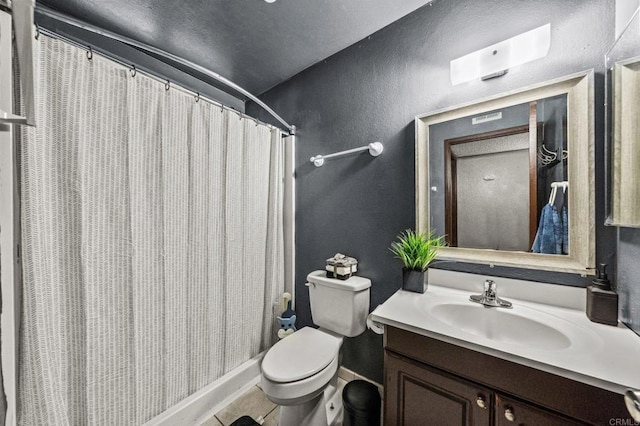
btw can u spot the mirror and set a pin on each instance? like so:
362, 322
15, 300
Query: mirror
623, 81
509, 180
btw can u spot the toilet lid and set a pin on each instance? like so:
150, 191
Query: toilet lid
300, 355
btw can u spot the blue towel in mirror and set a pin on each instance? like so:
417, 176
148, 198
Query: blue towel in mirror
565, 231
551, 232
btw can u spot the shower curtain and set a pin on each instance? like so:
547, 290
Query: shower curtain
152, 243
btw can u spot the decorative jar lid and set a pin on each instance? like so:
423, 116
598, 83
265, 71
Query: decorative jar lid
341, 260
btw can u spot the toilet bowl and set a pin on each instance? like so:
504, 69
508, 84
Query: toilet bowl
299, 367
300, 372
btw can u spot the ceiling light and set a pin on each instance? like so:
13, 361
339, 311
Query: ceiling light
270, 1
495, 60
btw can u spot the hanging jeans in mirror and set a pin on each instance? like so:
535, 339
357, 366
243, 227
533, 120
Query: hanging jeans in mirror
551, 231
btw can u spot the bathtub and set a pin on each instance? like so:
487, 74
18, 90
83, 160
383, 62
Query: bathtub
212, 398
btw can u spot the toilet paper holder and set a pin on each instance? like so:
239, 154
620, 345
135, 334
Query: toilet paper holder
373, 325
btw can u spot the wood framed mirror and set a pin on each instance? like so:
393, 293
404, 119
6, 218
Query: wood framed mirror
625, 147
489, 175
622, 62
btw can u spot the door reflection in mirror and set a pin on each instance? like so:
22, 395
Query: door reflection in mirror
491, 178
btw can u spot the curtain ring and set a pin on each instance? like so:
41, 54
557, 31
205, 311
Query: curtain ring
167, 85
256, 120
133, 70
221, 108
197, 97
90, 53
37, 31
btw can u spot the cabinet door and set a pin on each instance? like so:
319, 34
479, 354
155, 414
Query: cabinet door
510, 412
416, 394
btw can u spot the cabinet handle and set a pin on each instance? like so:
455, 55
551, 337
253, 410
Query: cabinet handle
481, 403
508, 414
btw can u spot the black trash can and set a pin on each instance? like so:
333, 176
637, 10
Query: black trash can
245, 421
361, 402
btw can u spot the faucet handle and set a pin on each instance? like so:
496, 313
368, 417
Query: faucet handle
489, 285
490, 289
490, 296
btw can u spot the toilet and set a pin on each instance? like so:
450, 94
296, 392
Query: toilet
300, 372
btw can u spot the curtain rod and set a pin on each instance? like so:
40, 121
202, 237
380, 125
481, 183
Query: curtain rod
122, 39
134, 70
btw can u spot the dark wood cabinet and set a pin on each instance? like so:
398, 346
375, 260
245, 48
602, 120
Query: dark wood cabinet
431, 382
509, 412
419, 395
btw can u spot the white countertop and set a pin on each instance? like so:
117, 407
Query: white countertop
600, 355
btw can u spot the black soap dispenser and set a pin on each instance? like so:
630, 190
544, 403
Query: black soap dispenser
602, 301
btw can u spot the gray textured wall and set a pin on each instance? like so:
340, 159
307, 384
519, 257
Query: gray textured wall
628, 280
372, 91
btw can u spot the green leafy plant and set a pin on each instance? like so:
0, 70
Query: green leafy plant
416, 250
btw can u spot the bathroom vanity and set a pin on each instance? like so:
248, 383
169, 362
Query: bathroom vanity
428, 381
451, 361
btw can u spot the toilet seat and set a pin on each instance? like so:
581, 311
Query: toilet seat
300, 355
300, 391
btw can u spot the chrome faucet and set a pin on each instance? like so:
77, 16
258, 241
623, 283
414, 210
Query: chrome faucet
490, 297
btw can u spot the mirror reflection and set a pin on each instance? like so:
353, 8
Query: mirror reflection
623, 113
625, 207
499, 180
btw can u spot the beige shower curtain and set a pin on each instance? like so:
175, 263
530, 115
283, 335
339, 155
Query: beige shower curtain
152, 243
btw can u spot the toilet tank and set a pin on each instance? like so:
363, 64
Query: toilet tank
340, 306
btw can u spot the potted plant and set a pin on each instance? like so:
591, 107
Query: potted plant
416, 251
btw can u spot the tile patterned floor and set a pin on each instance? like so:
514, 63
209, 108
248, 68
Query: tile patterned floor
253, 403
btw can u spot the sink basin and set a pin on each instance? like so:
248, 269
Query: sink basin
500, 325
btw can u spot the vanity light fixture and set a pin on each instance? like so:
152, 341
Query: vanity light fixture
495, 60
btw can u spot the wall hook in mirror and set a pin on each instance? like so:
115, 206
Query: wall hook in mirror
550, 158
